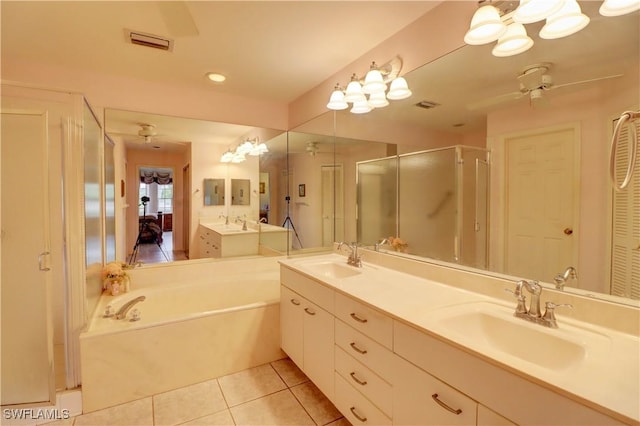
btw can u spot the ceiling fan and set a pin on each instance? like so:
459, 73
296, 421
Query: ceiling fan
147, 131
534, 82
313, 148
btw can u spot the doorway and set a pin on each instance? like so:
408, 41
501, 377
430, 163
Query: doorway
541, 202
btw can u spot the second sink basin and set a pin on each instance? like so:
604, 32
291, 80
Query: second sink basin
493, 327
332, 269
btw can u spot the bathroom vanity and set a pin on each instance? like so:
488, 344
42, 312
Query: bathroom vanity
389, 347
226, 240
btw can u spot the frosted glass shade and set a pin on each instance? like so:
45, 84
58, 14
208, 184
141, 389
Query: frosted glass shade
566, 21
618, 7
399, 89
514, 41
486, 26
530, 11
361, 107
337, 102
378, 100
354, 92
374, 83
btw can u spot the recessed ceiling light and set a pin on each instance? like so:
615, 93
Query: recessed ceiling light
215, 77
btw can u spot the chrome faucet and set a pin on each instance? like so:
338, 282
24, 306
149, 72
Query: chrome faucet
122, 312
561, 279
353, 259
533, 314
226, 219
382, 242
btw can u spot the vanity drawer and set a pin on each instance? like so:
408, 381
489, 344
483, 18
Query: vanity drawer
368, 352
364, 380
355, 407
421, 399
312, 290
365, 319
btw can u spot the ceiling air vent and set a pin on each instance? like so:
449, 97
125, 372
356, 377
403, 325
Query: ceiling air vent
427, 104
149, 40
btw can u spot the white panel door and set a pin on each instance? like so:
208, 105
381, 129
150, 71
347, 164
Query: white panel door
27, 331
541, 198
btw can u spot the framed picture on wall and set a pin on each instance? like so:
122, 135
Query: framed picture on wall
301, 190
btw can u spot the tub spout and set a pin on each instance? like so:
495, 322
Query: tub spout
122, 312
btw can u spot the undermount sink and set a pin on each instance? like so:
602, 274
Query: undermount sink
333, 269
493, 327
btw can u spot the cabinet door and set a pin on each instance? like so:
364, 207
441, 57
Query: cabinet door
421, 399
318, 347
291, 327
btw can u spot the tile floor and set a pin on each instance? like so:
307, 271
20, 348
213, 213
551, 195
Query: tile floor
271, 394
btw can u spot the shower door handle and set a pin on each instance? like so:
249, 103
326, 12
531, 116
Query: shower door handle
41, 257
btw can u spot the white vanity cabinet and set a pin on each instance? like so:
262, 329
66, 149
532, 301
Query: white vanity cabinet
307, 328
363, 362
507, 395
209, 242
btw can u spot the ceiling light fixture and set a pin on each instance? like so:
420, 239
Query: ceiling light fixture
498, 20
251, 147
216, 77
374, 85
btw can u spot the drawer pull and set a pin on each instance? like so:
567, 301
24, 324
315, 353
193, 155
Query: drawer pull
295, 302
355, 379
359, 417
309, 311
357, 318
357, 349
445, 406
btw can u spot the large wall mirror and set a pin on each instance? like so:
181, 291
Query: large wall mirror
471, 98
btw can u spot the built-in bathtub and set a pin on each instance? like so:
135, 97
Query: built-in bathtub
219, 318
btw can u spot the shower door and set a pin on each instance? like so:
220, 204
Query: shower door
27, 331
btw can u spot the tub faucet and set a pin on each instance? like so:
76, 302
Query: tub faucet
263, 220
122, 312
561, 279
353, 259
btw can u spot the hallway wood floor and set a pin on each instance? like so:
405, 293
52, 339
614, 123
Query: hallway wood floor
152, 253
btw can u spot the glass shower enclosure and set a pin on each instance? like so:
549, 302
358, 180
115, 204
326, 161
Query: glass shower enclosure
435, 201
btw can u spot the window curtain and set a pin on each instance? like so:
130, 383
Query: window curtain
161, 178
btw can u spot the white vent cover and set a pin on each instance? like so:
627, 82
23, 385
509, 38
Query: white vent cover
149, 40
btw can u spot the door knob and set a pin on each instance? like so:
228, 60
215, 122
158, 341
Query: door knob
568, 231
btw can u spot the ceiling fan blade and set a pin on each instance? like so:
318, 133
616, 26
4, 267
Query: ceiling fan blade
177, 18
591, 80
486, 103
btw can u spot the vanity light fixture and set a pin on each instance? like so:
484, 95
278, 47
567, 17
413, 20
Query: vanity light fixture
248, 147
374, 85
498, 20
